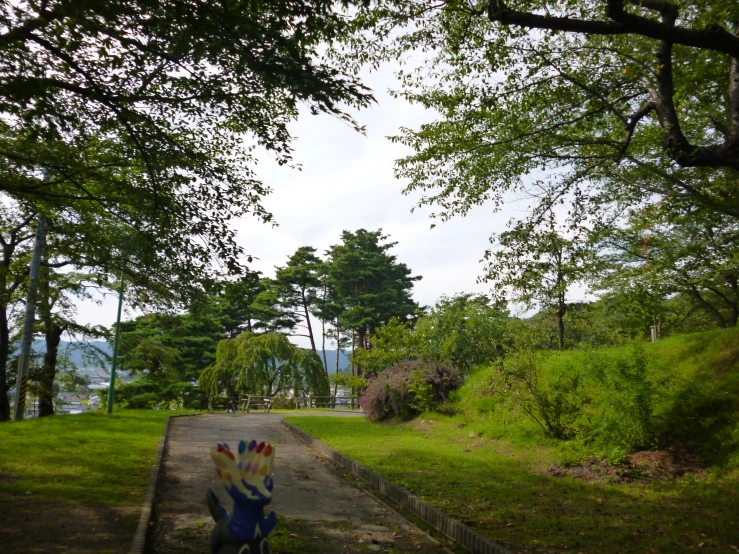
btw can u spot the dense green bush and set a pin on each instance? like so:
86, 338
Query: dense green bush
409, 388
157, 391
517, 382
463, 331
626, 390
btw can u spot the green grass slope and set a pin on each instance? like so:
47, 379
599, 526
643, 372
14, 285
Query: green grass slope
75, 483
89, 458
504, 490
686, 395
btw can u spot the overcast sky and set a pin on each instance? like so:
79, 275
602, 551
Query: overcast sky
347, 182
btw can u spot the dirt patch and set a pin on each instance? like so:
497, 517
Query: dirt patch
729, 359
7, 478
28, 526
589, 470
664, 465
647, 465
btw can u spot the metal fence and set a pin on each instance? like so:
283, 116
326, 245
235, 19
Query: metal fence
345, 403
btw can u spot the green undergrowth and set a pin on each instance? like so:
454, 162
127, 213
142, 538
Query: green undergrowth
503, 489
91, 458
679, 393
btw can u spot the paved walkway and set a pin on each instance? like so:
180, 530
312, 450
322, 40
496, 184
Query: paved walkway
318, 510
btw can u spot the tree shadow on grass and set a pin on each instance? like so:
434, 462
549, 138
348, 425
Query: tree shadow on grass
503, 499
31, 525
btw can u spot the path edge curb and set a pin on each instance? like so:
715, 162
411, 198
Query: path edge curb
142, 528
461, 534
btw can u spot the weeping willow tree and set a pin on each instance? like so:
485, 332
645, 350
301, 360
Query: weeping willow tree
263, 364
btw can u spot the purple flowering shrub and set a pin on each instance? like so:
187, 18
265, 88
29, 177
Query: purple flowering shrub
409, 388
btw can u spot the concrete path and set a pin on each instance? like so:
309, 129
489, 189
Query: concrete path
318, 509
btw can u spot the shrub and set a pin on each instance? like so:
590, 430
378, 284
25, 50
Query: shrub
282, 402
554, 406
679, 392
409, 388
626, 400
143, 401
156, 391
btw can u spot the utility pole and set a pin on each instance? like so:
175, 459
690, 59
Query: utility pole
114, 364
21, 385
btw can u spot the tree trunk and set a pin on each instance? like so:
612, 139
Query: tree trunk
48, 368
338, 351
561, 324
5, 289
733, 303
561, 311
561, 305
362, 340
352, 352
733, 315
711, 309
4, 353
52, 335
323, 344
307, 323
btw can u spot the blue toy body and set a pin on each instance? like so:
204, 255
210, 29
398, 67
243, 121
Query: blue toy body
249, 483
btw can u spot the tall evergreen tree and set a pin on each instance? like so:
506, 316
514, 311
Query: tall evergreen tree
371, 285
180, 345
237, 303
271, 316
298, 284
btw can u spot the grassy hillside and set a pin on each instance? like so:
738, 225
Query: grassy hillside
681, 392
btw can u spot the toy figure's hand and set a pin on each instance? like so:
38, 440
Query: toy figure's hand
269, 483
268, 524
247, 476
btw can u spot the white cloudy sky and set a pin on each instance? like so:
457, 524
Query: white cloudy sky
347, 182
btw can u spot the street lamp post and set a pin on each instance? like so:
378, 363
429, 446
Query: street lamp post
114, 364
21, 387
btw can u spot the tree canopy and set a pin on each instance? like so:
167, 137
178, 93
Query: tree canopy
693, 252
613, 101
150, 111
372, 285
263, 364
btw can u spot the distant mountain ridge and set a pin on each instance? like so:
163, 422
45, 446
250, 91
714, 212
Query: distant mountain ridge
80, 354
75, 352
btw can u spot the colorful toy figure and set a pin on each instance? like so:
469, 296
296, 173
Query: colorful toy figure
247, 476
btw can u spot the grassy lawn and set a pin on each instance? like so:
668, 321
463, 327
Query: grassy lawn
499, 488
88, 473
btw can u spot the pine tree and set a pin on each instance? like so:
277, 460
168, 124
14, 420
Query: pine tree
371, 285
